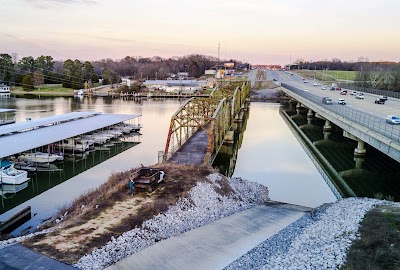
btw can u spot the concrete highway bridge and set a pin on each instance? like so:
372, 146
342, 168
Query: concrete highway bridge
360, 119
201, 125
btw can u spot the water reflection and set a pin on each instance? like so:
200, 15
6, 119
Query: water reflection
54, 192
271, 155
375, 175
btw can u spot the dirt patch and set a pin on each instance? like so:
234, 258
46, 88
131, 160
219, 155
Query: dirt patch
273, 95
109, 211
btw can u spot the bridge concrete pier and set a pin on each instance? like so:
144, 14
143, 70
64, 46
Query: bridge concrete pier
229, 137
327, 126
360, 151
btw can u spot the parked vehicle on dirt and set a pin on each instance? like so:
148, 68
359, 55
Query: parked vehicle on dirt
380, 101
147, 178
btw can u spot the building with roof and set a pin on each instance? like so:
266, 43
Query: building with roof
175, 86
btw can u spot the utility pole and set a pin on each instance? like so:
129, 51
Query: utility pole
219, 46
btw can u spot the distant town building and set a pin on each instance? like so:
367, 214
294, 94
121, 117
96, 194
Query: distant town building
175, 86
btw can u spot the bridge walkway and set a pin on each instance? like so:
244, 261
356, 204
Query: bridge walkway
193, 151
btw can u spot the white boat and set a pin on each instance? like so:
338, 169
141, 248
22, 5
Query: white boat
74, 145
10, 175
80, 92
4, 89
11, 189
38, 157
84, 140
25, 165
97, 138
135, 127
124, 128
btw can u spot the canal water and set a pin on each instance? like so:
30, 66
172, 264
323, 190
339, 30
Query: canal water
267, 152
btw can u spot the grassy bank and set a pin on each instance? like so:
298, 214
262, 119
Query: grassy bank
379, 245
328, 75
108, 211
45, 90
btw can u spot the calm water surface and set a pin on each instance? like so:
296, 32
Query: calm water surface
271, 155
269, 152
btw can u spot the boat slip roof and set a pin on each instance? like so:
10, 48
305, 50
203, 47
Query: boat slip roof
35, 133
7, 110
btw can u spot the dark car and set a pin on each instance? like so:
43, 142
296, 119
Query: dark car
327, 100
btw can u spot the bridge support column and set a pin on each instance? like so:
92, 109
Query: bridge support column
359, 161
360, 151
310, 116
229, 137
326, 135
327, 125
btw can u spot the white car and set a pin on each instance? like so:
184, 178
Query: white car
341, 101
305, 81
315, 84
360, 96
305, 89
323, 88
393, 119
353, 93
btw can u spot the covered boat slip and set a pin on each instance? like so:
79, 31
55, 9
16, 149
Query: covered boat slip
24, 136
4, 118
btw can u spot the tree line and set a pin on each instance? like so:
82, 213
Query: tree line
30, 72
383, 75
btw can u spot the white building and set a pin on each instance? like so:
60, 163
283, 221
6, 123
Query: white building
176, 86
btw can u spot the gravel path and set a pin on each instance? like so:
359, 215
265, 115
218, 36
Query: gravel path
318, 240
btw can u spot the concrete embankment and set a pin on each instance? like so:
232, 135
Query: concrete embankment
216, 245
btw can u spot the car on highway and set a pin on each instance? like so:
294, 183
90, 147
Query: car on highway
360, 96
327, 100
323, 88
315, 84
343, 92
384, 97
305, 89
305, 81
380, 101
353, 93
341, 101
393, 119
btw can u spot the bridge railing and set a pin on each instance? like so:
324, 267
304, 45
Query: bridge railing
367, 120
219, 126
192, 115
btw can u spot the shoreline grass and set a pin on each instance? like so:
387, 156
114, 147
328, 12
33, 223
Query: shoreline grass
379, 245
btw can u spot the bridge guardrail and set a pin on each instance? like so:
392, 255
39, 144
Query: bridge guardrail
367, 120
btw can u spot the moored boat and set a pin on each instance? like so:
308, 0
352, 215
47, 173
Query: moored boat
10, 175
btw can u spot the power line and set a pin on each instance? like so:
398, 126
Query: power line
11, 69
49, 77
33, 44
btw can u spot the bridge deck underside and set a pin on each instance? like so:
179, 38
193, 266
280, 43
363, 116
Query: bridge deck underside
193, 151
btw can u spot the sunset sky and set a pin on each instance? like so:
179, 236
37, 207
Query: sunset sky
257, 31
